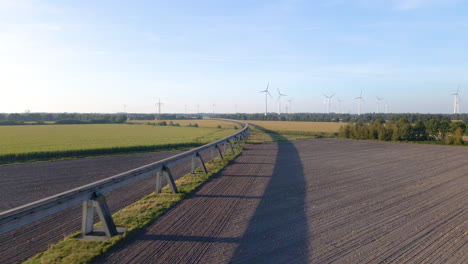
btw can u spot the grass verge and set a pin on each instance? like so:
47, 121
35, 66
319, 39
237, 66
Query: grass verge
133, 217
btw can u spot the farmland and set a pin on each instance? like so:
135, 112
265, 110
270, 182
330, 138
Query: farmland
290, 126
21, 140
318, 201
199, 122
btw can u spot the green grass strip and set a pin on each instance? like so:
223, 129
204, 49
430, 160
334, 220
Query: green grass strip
133, 217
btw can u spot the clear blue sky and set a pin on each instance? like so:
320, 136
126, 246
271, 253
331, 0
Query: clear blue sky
96, 56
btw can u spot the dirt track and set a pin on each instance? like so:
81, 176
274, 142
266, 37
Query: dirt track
26, 183
319, 201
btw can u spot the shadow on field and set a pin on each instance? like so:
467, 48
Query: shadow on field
277, 232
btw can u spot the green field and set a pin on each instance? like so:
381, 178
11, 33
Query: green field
52, 141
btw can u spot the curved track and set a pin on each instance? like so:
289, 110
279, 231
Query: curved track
319, 201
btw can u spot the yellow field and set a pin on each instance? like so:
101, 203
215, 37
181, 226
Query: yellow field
285, 126
200, 122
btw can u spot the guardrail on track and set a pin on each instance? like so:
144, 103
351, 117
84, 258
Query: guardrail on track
92, 195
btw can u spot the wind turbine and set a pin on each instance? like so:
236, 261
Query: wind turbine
267, 93
290, 105
214, 105
378, 99
387, 107
279, 101
324, 105
360, 102
456, 106
339, 105
125, 111
328, 98
159, 104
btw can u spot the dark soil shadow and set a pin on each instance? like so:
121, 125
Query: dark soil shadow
277, 232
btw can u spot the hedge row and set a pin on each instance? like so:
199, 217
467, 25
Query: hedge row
433, 130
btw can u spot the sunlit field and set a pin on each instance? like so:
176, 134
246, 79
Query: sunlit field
26, 139
290, 126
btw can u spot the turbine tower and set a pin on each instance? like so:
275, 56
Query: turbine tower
328, 99
456, 105
324, 105
387, 106
267, 93
378, 99
290, 105
339, 105
159, 104
125, 112
359, 102
279, 101
214, 105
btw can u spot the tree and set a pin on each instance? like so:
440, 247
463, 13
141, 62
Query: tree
458, 137
120, 119
456, 125
419, 131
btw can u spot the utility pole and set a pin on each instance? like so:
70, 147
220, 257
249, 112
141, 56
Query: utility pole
159, 104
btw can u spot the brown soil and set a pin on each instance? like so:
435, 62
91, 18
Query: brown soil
319, 201
22, 184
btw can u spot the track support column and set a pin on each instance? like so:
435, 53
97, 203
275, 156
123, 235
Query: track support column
170, 179
202, 163
193, 165
220, 152
98, 205
167, 173
230, 146
158, 182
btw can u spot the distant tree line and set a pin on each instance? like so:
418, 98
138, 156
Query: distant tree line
333, 117
61, 118
404, 130
78, 118
81, 118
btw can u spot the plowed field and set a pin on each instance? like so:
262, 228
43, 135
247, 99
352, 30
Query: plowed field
319, 201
